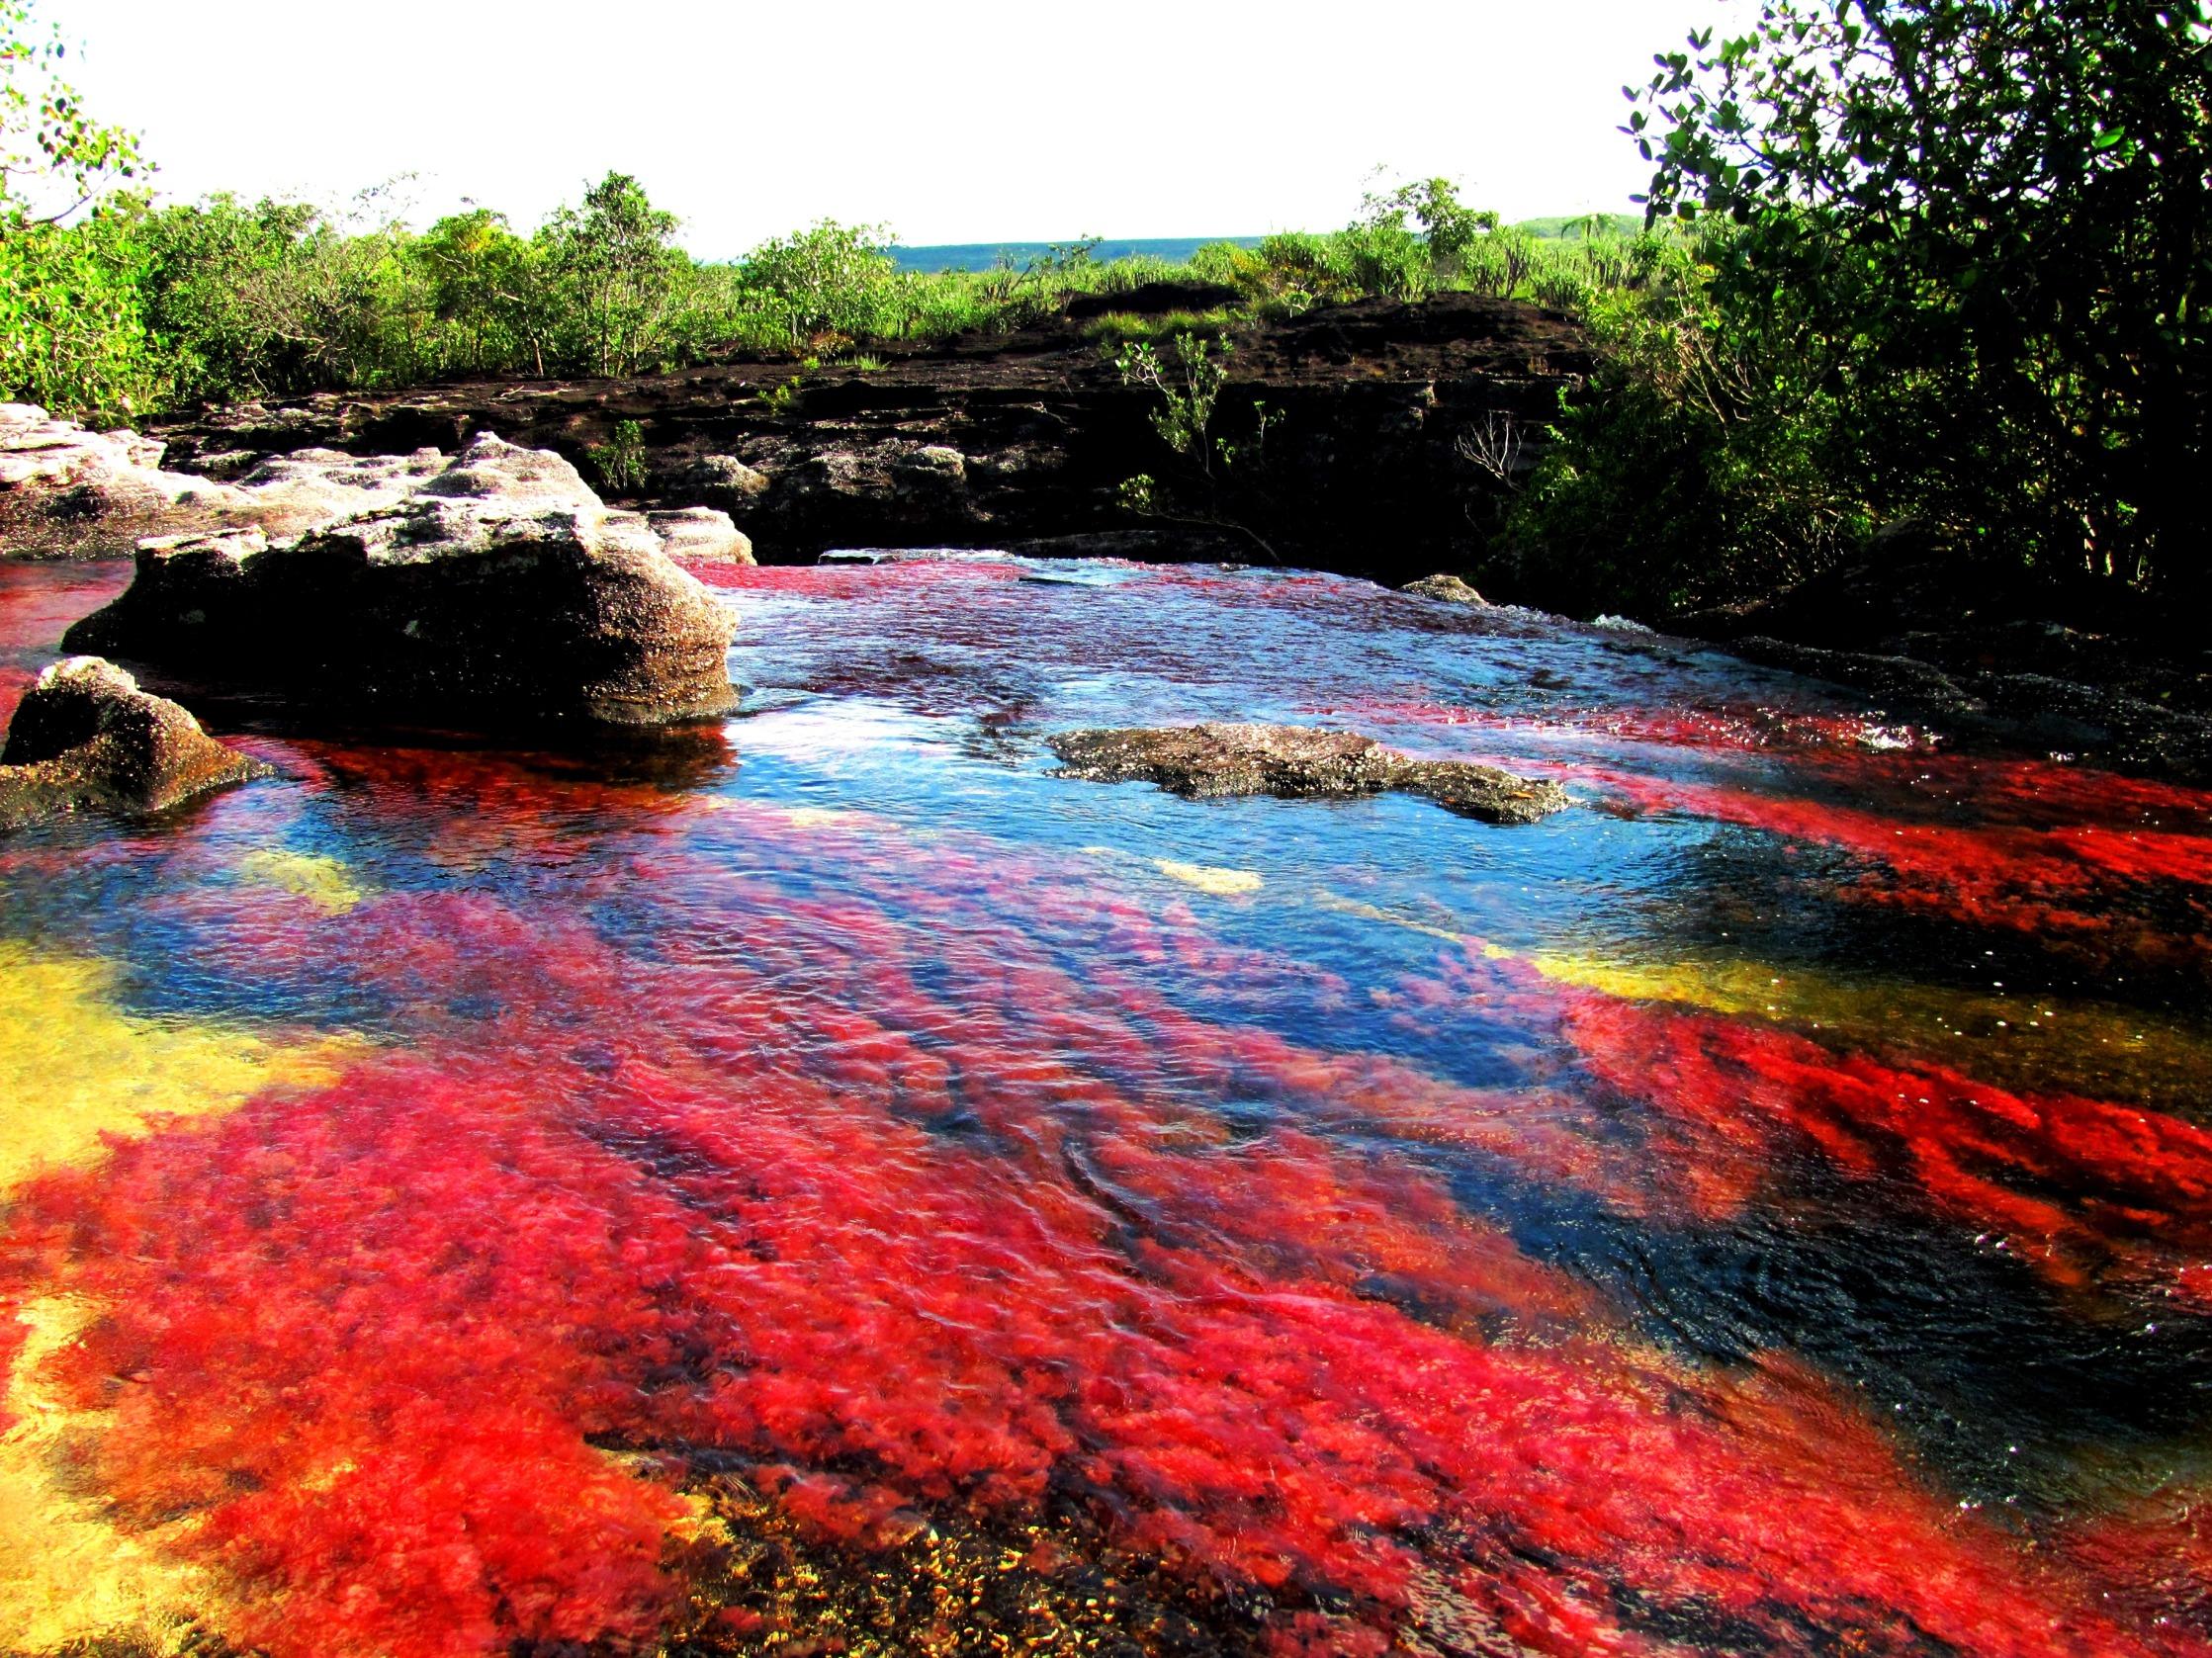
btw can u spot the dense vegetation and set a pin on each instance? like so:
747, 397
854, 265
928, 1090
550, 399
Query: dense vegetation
1934, 262
1947, 267
136, 308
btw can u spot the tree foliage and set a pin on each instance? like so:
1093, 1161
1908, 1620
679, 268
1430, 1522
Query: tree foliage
54, 157
830, 278
1990, 226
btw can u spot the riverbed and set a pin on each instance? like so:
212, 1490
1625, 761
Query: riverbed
824, 1179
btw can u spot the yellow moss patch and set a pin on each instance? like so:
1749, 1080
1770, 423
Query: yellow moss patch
2040, 1043
67, 1575
1222, 882
323, 882
73, 1068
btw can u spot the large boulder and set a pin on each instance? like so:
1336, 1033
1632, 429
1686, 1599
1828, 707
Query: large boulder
1202, 762
500, 590
64, 489
85, 736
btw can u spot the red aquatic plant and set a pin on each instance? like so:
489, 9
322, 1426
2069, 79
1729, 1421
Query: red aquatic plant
2077, 1185
372, 1336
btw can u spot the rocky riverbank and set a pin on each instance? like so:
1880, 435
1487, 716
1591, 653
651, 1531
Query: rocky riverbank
1378, 414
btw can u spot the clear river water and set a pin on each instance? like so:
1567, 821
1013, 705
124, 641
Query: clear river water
824, 1183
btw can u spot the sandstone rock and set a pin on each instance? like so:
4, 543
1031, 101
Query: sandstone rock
290, 494
64, 489
701, 532
502, 590
1202, 762
1448, 588
85, 736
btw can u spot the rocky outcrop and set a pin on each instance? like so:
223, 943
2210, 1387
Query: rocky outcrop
500, 590
721, 481
66, 489
86, 737
1024, 440
1448, 588
1202, 762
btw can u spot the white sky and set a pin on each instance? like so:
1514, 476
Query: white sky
950, 120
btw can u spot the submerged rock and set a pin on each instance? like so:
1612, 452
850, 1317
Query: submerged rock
64, 489
1202, 762
502, 588
1448, 588
85, 736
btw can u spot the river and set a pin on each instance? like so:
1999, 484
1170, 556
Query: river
824, 1183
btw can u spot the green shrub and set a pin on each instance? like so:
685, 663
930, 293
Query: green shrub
832, 277
73, 334
621, 461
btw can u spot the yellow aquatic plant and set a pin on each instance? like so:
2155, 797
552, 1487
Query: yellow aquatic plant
68, 1576
2041, 1043
75, 1067
75, 1070
322, 881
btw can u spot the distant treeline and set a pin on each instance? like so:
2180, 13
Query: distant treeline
135, 308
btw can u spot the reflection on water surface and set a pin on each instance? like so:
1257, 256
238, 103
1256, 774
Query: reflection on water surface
828, 1181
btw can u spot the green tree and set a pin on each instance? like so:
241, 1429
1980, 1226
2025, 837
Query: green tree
1449, 229
616, 257
73, 330
1995, 220
830, 277
490, 289
55, 158
73, 334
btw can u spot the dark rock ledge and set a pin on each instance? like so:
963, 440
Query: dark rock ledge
1202, 762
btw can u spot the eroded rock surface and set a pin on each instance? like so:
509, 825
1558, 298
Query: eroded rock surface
1202, 762
64, 489
86, 737
700, 532
499, 589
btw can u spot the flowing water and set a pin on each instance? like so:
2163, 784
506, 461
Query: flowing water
824, 1183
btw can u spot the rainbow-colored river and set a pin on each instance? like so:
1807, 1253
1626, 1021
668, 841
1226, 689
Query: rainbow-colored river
824, 1183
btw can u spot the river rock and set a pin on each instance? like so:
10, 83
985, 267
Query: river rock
1207, 762
502, 590
1448, 588
86, 737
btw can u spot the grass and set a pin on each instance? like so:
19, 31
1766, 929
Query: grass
1118, 328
